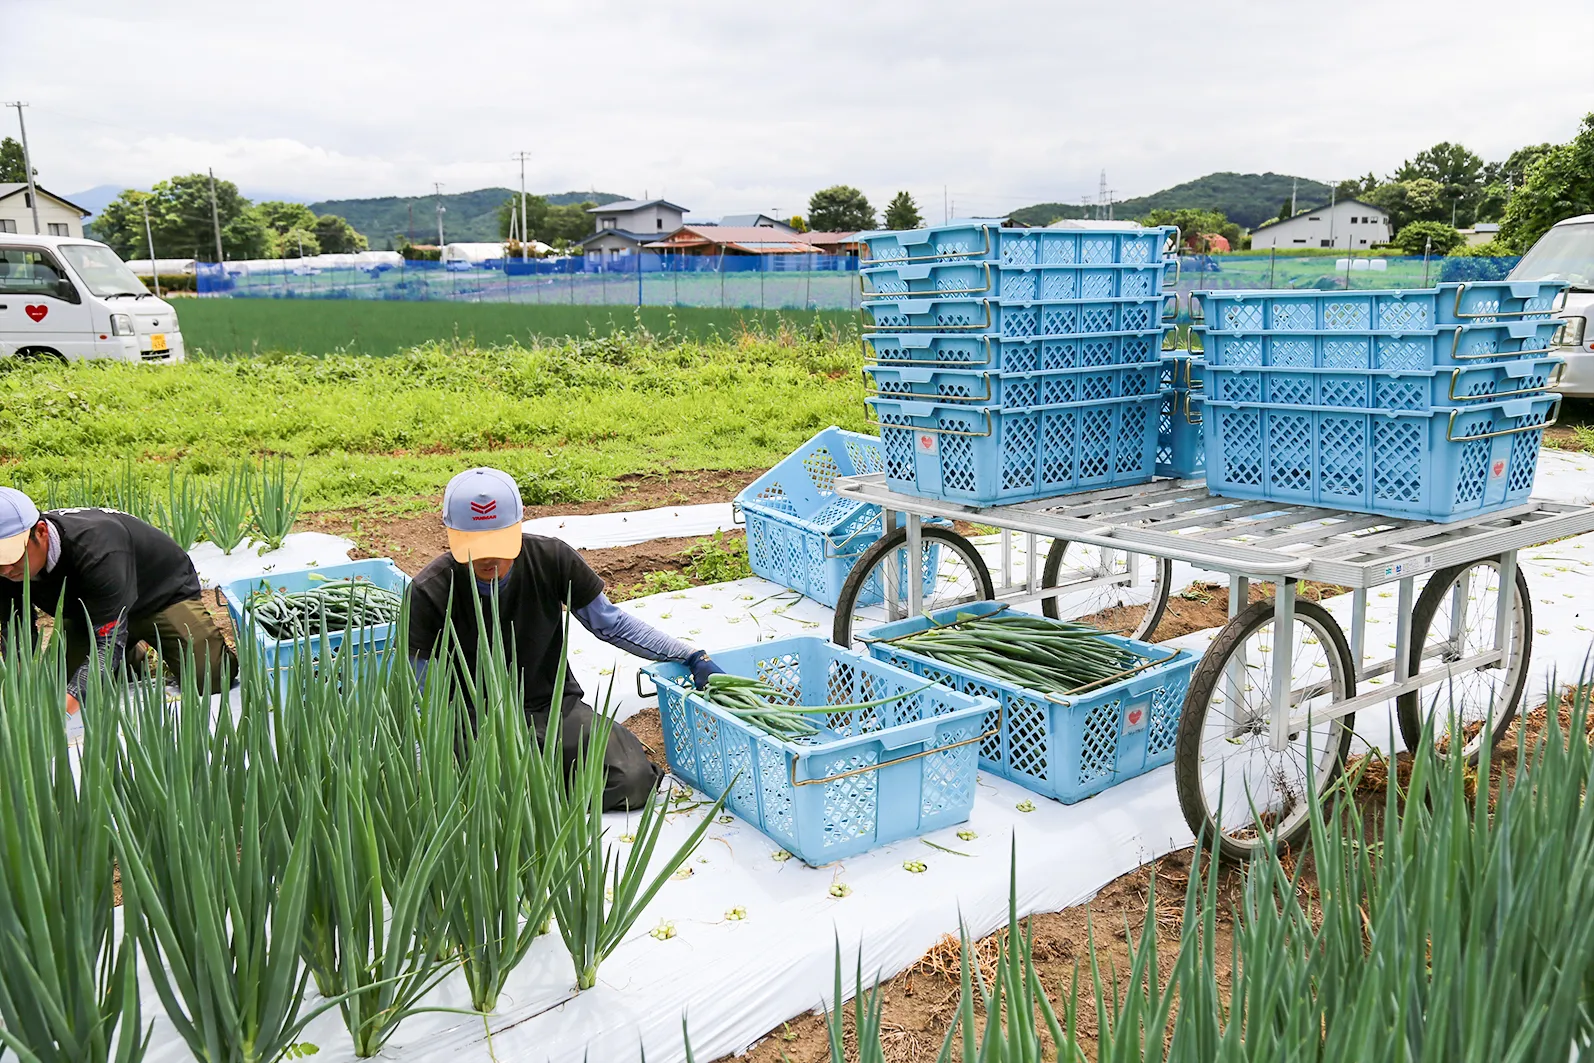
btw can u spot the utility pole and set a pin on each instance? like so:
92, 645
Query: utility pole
524, 234
27, 166
215, 217
154, 268
437, 191
1332, 188
1295, 184
946, 207
1101, 197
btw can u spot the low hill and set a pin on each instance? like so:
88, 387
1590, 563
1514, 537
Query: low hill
1248, 199
467, 216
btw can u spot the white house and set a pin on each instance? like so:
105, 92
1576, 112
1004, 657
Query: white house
1350, 224
57, 216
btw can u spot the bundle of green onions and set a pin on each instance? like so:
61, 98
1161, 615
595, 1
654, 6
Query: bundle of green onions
335, 605
1048, 656
758, 704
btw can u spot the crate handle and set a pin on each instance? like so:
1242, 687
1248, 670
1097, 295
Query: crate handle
644, 693
1061, 699
1198, 310
859, 530
791, 764
942, 291
863, 344
1455, 348
1178, 271
1173, 301
1450, 429
989, 427
1190, 382
933, 398
985, 231
1461, 290
1190, 416
1455, 376
872, 327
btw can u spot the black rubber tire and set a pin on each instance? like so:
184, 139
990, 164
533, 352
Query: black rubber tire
1409, 707
39, 356
1204, 684
1154, 609
841, 632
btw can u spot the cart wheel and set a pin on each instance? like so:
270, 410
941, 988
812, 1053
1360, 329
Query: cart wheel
1455, 618
960, 576
1229, 777
1133, 609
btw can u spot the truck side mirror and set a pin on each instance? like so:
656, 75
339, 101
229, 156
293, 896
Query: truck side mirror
65, 291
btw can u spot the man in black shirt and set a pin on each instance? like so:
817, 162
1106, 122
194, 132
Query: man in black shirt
533, 576
119, 580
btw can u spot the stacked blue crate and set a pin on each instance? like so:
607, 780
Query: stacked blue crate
1427, 404
1181, 446
1014, 364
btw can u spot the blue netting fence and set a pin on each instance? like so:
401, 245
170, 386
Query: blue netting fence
767, 282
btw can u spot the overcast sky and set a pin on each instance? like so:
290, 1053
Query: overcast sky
732, 105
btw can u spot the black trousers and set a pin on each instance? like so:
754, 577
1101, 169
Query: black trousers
629, 776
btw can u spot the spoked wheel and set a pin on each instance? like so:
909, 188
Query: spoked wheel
1455, 619
876, 590
1132, 607
1233, 785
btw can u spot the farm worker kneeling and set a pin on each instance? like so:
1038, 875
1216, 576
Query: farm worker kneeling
532, 575
119, 581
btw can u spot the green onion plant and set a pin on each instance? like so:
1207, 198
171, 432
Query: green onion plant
273, 501
182, 514
226, 509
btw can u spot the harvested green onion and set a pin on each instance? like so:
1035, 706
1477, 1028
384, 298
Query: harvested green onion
758, 704
1049, 656
336, 605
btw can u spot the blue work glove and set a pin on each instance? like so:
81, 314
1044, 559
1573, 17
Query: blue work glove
702, 667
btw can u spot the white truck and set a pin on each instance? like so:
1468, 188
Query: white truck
67, 298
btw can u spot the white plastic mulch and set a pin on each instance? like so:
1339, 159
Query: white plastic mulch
735, 980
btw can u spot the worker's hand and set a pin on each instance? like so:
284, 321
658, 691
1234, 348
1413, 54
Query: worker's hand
702, 667
72, 705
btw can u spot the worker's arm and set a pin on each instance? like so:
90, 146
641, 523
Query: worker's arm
636, 636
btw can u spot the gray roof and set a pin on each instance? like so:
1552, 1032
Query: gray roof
621, 206
11, 188
1322, 206
751, 221
624, 234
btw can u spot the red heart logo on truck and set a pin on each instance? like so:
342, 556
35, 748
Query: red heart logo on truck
36, 312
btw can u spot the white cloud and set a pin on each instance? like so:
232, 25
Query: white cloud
728, 105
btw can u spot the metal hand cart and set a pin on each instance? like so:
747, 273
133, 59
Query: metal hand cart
1245, 771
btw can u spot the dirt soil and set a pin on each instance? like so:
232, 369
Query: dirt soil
919, 1004
412, 540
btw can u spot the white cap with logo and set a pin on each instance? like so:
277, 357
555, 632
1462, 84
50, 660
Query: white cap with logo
483, 513
18, 516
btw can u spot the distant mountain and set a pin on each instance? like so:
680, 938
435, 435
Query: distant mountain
467, 216
1248, 199
94, 199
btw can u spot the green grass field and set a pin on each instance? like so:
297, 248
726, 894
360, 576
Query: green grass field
565, 418
220, 327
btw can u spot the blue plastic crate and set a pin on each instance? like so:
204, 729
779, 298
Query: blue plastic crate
1013, 283
1067, 747
1181, 447
281, 657
1013, 391
1366, 310
872, 776
1438, 465
982, 456
1014, 356
1012, 320
1424, 349
1389, 389
985, 241
800, 533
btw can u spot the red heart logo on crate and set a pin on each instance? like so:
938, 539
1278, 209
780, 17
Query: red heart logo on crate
36, 312
1498, 470
1134, 717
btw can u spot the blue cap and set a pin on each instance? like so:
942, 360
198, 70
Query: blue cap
483, 512
18, 515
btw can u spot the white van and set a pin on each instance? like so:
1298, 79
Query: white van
1565, 253
67, 298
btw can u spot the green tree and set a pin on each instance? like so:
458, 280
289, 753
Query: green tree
797, 222
180, 219
1457, 171
1420, 199
1500, 179
1356, 187
536, 213
337, 237
840, 208
1194, 223
295, 243
280, 217
1284, 211
1558, 185
902, 212
11, 167
1415, 237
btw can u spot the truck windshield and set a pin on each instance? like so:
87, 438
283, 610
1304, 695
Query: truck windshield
1565, 253
102, 271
